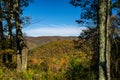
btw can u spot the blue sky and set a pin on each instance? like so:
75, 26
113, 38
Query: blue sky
52, 18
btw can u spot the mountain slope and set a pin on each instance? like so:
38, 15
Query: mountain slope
33, 42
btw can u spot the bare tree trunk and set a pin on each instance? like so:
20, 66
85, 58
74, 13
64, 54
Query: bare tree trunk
104, 49
108, 48
19, 61
102, 55
24, 59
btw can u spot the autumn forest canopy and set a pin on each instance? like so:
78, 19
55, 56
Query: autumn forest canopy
93, 55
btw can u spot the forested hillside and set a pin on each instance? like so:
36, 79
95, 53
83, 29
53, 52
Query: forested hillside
57, 59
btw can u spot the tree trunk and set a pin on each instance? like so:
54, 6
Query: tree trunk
102, 55
104, 41
9, 22
1, 33
21, 64
108, 42
24, 59
1, 25
19, 61
2, 45
19, 48
18, 35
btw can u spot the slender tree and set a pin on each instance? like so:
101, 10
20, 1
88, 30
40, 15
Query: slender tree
9, 18
1, 25
2, 36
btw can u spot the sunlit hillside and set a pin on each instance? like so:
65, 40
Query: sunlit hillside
56, 59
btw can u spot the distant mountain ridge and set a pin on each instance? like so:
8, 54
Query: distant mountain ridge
33, 42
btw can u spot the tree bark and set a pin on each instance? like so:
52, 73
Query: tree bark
1, 27
104, 41
102, 55
21, 57
19, 62
1, 33
24, 59
108, 42
2, 40
18, 35
9, 22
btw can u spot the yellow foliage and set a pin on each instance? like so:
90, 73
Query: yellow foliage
56, 56
11, 51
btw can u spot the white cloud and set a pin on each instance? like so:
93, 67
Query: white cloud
55, 30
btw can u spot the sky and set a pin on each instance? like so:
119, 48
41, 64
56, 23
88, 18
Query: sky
52, 18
